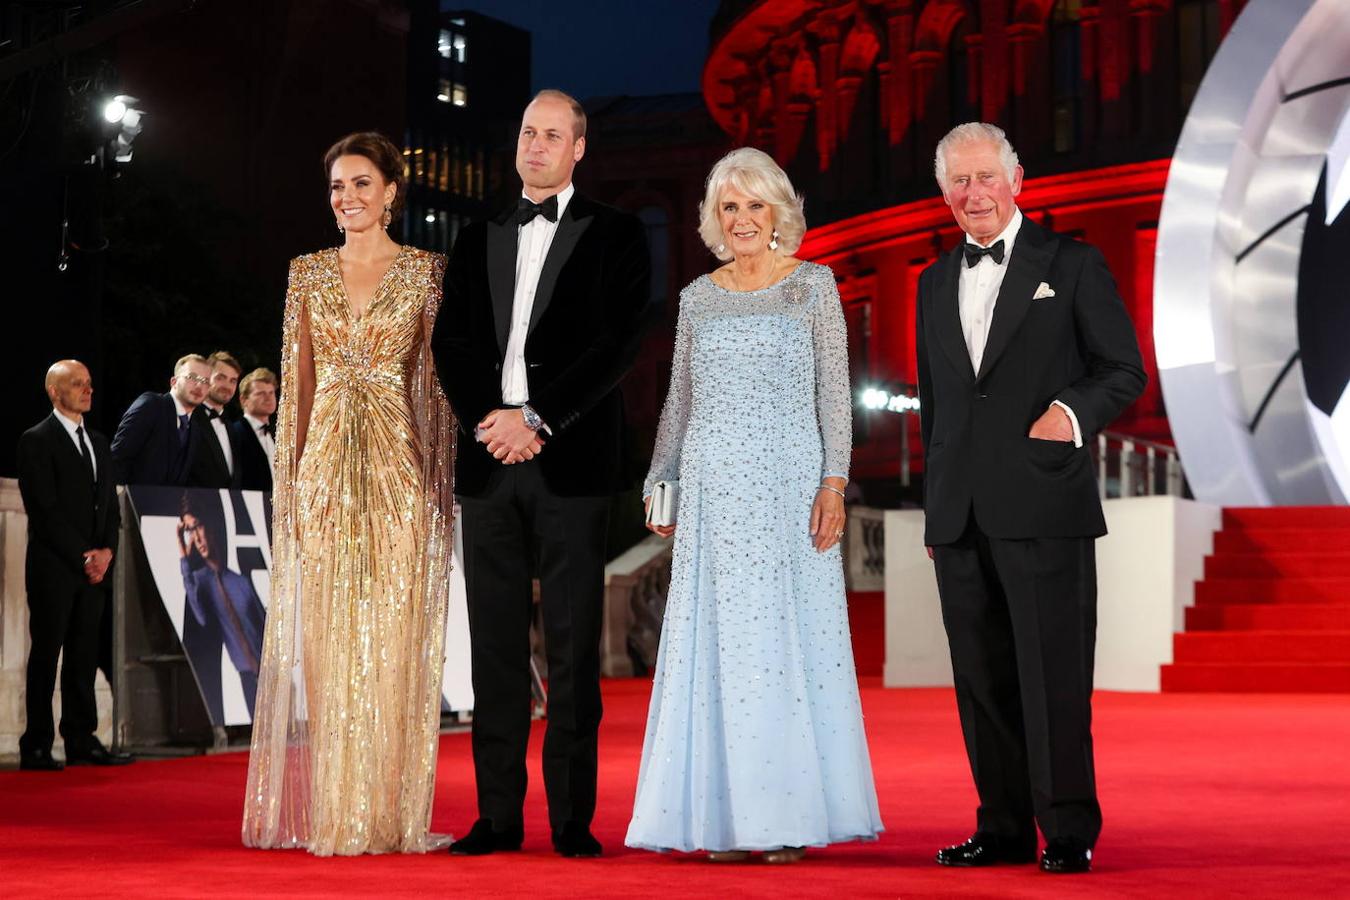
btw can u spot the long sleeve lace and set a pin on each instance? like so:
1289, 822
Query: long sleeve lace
834, 405
675, 414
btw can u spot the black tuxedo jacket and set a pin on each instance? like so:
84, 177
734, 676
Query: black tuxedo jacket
589, 312
207, 466
68, 512
1077, 347
145, 449
250, 459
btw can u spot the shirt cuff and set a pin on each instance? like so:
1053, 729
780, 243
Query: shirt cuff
1073, 420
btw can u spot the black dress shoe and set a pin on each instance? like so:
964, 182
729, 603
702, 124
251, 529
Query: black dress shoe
39, 761
95, 754
987, 850
575, 841
1066, 857
482, 840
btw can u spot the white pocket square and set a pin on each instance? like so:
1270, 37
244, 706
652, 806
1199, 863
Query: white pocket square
1043, 291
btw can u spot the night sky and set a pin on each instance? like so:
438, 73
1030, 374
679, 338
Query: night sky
600, 47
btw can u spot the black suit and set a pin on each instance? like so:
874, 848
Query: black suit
207, 465
147, 448
1012, 519
251, 467
550, 514
69, 514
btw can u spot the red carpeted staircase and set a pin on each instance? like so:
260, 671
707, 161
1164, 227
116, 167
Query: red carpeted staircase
1273, 610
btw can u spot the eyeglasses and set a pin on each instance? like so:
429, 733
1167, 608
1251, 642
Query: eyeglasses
196, 379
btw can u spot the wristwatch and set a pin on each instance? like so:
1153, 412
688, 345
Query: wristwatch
532, 420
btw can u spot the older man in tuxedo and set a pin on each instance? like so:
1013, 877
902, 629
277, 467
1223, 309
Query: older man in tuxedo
543, 311
66, 480
1025, 352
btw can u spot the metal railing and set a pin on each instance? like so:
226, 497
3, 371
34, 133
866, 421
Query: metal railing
1131, 467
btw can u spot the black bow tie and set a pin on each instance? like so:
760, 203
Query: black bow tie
212, 414
269, 428
527, 210
975, 251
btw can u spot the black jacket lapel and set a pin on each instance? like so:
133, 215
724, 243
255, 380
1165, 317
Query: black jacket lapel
502, 236
947, 314
1027, 266
572, 224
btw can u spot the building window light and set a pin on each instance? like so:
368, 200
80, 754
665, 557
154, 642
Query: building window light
443, 44
461, 46
443, 91
460, 95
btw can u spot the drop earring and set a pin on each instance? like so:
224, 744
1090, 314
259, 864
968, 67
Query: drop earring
721, 248
773, 244
340, 229
387, 217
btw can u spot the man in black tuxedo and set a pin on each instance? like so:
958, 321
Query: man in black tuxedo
1025, 351
254, 434
216, 462
161, 434
543, 311
65, 477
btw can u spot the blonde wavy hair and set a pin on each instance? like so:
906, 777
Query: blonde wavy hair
752, 172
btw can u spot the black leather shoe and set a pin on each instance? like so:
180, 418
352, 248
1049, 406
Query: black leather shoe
1066, 858
39, 761
482, 840
575, 841
95, 754
987, 850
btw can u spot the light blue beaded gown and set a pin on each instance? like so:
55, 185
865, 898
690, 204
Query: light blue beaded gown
754, 736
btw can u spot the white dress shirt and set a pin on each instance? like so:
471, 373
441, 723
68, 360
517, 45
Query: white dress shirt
978, 295
70, 425
269, 445
223, 437
532, 245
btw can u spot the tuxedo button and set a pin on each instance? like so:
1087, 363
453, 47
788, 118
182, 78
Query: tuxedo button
981, 396
497, 366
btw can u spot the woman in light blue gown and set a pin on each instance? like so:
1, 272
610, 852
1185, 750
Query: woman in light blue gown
754, 736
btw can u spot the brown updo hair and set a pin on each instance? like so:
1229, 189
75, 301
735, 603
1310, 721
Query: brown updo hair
382, 152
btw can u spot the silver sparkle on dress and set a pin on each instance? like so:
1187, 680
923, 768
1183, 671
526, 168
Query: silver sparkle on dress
755, 736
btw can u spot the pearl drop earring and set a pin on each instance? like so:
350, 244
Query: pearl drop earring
773, 244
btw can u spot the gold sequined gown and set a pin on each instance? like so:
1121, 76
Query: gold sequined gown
345, 730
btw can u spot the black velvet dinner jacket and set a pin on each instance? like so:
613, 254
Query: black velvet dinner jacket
590, 310
1078, 347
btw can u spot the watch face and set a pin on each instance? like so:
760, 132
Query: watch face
1251, 304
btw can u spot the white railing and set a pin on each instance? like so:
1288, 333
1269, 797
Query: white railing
1131, 467
636, 582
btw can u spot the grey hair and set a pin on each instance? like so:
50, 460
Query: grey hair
969, 133
755, 173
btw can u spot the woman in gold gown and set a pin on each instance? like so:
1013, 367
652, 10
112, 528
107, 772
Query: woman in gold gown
345, 731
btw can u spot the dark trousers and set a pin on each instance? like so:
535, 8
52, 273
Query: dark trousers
1021, 619
518, 526
62, 617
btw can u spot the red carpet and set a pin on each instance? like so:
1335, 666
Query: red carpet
1204, 796
1273, 611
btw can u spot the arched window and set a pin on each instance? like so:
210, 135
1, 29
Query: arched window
1065, 75
1197, 40
657, 222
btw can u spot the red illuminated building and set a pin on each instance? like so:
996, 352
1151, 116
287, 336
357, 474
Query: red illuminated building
851, 97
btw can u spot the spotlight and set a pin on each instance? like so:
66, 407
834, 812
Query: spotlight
114, 111
431, 218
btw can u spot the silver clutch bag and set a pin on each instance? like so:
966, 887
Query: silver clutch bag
665, 500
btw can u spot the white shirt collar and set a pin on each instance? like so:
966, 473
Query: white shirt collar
178, 405
67, 422
1008, 235
564, 197
254, 421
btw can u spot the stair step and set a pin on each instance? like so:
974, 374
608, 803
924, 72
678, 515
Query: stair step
1282, 678
1287, 517
1255, 540
1269, 617
1278, 565
1272, 590
1261, 647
